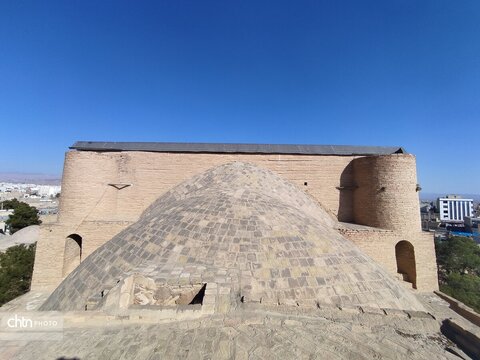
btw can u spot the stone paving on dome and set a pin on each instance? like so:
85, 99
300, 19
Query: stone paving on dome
246, 229
235, 263
249, 336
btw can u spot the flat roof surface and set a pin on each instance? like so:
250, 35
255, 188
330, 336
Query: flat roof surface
339, 150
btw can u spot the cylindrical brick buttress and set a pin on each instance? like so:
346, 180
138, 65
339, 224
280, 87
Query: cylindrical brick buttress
386, 192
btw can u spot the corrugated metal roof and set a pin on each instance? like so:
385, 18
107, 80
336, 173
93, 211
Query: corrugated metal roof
340, 150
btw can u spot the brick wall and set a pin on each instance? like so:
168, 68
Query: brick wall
386, 197
380, 246
86, 194
94, 206
386, 192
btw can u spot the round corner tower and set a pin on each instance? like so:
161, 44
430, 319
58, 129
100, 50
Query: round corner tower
386, 192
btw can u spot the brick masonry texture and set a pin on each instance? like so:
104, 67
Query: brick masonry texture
249, 335
93, 206
240, 225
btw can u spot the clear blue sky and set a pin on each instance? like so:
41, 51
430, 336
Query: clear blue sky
355, 72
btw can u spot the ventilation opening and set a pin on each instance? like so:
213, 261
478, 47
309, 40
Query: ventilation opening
305, 183
405, 256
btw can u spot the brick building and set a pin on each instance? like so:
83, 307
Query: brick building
370, 192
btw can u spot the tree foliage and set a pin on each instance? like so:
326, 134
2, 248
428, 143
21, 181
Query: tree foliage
16, 268
23, 215
458, 261
10, 204
465, 288
458, 254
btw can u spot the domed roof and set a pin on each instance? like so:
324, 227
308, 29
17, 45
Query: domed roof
28, 235
243, 225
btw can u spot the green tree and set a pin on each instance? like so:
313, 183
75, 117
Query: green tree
23, 215
16, 267
11, 204
458, 254
463, 287
458, 261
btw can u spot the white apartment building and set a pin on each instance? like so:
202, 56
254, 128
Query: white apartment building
47, 190
454, 208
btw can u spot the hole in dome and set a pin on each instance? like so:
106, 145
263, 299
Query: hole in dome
169, 295
198, 299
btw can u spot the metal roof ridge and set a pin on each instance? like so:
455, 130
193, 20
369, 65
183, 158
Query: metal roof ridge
251, 148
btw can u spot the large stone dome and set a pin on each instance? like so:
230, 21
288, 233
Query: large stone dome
242, 225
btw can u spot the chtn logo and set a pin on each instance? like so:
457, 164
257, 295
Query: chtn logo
19, 322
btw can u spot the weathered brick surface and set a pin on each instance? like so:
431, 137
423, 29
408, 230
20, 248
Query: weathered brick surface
86, 195
243, 334
93, 206
48, 269
385, 194
238, 218
95, 210
386, 198
380, 244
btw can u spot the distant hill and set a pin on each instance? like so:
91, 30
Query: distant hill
433, 196
25, 178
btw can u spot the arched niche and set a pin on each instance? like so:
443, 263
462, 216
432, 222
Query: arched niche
72, 255
406, 266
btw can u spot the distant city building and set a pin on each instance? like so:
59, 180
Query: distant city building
429, 216
472, 223
454, 208
31, 190
425, 207
4, 215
